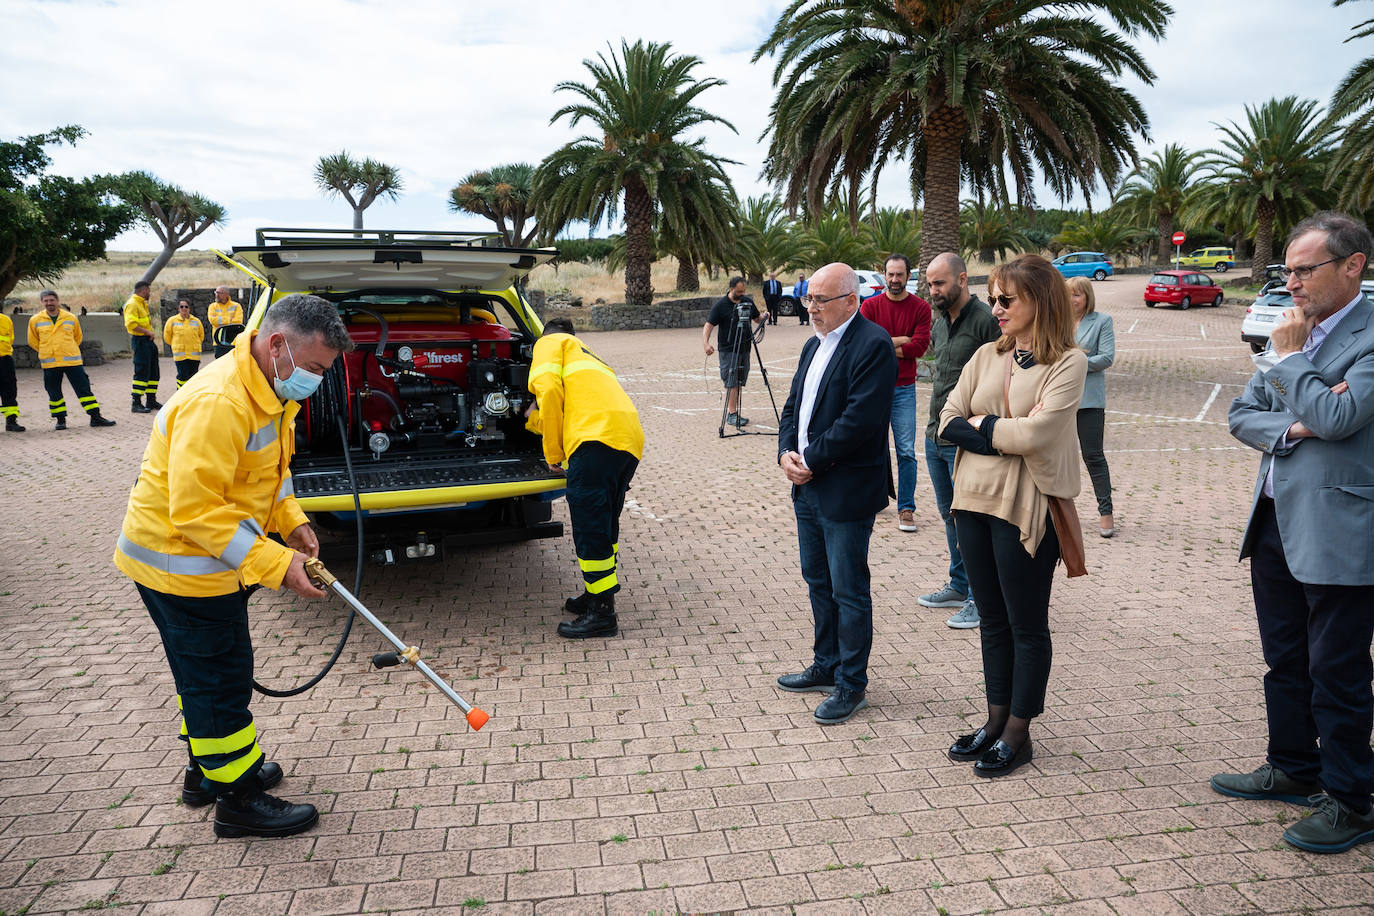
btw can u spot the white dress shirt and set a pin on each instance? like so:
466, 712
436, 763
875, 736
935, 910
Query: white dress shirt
830, 342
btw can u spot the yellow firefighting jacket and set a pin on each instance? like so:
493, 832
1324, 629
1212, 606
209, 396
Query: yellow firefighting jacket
136, 315
214, 482
228, 313
185, 337
57, 340
579, 400
6, 336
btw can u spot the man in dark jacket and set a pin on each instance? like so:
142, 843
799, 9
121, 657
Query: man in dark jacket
832, 446
772, 295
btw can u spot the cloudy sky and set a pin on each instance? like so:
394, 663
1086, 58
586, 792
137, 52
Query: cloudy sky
237, 100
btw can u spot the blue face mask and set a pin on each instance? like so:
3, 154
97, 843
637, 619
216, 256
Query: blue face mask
297, 386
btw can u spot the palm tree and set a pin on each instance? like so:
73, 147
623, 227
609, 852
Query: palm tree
768, 238
1104, 232
642, 103
1352, 168
979, 87
895, 231
360, 182
1156, 190
990, 232
503, 194
1270, 169
831, 238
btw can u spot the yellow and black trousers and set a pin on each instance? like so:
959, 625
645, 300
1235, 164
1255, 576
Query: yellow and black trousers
147, 372
210, 652
9, 389
81, 384
598, 478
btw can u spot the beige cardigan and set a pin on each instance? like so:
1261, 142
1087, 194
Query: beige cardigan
1039, 454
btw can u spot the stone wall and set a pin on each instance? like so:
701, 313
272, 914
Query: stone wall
670, 313
200, 300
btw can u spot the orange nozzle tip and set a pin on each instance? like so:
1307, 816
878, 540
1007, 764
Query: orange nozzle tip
477, 718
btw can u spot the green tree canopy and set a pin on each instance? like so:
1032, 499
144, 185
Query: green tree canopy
49, 222
768, 239
1156, 191
360, 182
642, 103
176, 215
503, 194
1352, 167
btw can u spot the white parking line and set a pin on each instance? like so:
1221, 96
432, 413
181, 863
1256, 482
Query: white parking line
1216, 390
1131, 329
1203, 328
1199, 448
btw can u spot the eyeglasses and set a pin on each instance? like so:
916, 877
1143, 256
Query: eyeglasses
1305, 273
1004, 301
812, 302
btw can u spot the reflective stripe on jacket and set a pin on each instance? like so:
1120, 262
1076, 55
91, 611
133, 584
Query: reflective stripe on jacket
57, 340
136, 315
6, 336
228, 313
185, 336
214, 482
579, 400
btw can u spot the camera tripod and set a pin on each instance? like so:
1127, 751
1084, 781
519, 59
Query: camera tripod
743, 325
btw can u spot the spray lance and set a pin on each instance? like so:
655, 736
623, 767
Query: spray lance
404, 654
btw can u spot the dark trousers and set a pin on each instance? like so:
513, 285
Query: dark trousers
146, 369
1092, 422
81, 384
185, 369
1317, 690
834, 563
210, 653
771, 303
9, 388
1012, 590
598, 477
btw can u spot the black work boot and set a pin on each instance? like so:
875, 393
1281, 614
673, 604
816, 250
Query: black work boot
252, 812
153, 402
138, 406
194, 796
597, 620
12, 425
61, 422
577, 605
98, 420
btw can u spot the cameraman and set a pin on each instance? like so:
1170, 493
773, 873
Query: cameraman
732, 315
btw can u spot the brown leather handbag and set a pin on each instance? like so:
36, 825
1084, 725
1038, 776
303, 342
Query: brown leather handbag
1063, 515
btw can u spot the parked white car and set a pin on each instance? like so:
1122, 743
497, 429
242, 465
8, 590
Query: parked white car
1268, 307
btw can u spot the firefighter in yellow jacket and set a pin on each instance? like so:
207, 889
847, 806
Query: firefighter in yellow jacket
224, 312
214, 483
9, 384
147, 372
186, 336
590, 427
56, 335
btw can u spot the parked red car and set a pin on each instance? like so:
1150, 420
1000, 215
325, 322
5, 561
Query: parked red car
1182, 288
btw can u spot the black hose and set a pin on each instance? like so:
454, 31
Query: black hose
357, 581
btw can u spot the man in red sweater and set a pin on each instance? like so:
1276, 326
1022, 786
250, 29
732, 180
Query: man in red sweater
907, 319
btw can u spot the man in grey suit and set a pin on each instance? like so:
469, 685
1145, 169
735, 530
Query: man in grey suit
1310, 411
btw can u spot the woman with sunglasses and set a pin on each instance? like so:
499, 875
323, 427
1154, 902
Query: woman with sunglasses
1013, 415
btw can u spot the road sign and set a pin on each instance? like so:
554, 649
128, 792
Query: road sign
1179, 238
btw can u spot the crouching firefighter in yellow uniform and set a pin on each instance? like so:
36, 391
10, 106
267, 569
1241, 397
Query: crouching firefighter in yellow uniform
589, 425
214, 482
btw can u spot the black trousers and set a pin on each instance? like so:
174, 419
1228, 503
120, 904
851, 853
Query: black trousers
9, 388
147, 373
185, 369
210, 652
598, 477
1012, 590
1317, 691
772, 305
1092, 422
81, 384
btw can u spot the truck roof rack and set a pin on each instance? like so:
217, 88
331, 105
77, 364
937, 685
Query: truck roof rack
302, 238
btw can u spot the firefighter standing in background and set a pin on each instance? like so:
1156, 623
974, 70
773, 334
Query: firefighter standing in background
9, 385
213, 484
186, 336
144, 343
223, 312
589, 425
56, 335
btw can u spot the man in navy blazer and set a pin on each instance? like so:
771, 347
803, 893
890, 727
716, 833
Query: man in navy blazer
832, 446
1310, 411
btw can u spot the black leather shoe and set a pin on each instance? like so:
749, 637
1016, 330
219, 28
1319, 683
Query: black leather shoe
194, 796
840, 706
97, 420
808, 681
12, 425
61, 423
1333, 827
577, 605
970, 747
1268, 783
255, 813
1000, 759
598, 620
154, 403
139, 408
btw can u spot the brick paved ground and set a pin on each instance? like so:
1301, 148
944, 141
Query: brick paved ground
661, 771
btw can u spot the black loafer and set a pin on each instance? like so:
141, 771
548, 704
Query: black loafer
970, 747
808, 681
192, 795
1000, 759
